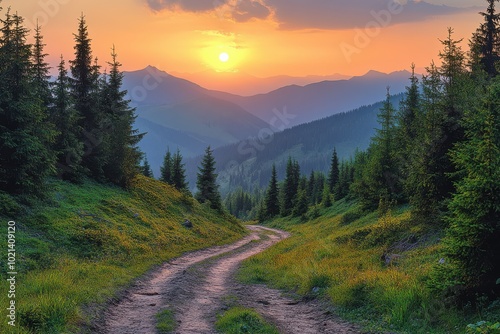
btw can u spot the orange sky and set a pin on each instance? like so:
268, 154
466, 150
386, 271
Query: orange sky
179, 40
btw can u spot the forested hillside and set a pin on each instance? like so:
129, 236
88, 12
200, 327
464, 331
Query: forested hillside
247, 164
80, 222
408, 229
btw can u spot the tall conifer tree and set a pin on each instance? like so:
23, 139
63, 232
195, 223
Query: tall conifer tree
208, 191
272, 204
178, 172
166, 168
121, 139
68, 145
25, 133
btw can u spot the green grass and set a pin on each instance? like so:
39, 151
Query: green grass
165, 322
75, 253
338, 257
238, 320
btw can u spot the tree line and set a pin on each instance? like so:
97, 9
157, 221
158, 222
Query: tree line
439, 151
78, 125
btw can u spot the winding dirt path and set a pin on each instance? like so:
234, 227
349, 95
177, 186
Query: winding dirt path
193, 286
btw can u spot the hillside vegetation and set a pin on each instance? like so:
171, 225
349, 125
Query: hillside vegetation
248, 164
91, 241
373, 269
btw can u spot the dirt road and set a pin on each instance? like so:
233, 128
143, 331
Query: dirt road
194, 286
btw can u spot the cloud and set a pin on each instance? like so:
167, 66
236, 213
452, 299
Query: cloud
186, 5
348, 14
313, 14
247, 10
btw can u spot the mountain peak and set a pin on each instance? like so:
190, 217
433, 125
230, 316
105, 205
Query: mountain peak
374, 74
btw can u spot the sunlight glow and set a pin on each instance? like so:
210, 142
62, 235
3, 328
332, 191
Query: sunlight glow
224, 57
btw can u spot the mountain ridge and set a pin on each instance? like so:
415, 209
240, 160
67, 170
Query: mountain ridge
178, 113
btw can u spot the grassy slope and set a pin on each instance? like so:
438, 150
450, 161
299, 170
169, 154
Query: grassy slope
91, 241
338, 256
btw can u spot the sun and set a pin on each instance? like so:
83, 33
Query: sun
224, 57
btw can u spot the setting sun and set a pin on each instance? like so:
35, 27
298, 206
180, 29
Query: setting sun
224, 57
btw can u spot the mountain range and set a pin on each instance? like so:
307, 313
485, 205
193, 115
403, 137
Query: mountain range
247, 164
177, 113
244, 84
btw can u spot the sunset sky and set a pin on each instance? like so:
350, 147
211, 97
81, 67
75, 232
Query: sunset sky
262, 38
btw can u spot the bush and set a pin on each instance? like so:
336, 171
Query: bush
350, 217
8, 205
240, 320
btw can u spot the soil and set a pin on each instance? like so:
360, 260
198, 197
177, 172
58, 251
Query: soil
197, 286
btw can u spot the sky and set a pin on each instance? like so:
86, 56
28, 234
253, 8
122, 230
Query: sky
262, 38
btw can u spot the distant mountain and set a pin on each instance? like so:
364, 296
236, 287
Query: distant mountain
248, 163
177, 113
151, 86
322, 99
244, 84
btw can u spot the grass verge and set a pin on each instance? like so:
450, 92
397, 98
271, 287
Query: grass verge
165, 322
91, 241
239, 320
373, 269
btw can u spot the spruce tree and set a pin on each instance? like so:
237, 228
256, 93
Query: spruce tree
472, 239
290, 186
485, 43
319, 185
84, 90
424, 176
178, 172
166, 168
446, 93
409, 120
146, 168
326, 199
272, 204
41, 70
119, 149
333, 177
68, 145
311, 182
301, 203
26, 136
381, 173
207, 182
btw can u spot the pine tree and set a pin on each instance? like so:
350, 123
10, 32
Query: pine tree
409, 120
318, 194
68, 145
446, 93
333, 177
119, 150
25, 133
84, 90
166, 168
146, 168
41, 70
380, 178
290, 186
326, 199
311, 183
423, 178
485, 43
207, 182
342, 188
272, 204
301, 204
472, 240
178, 172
